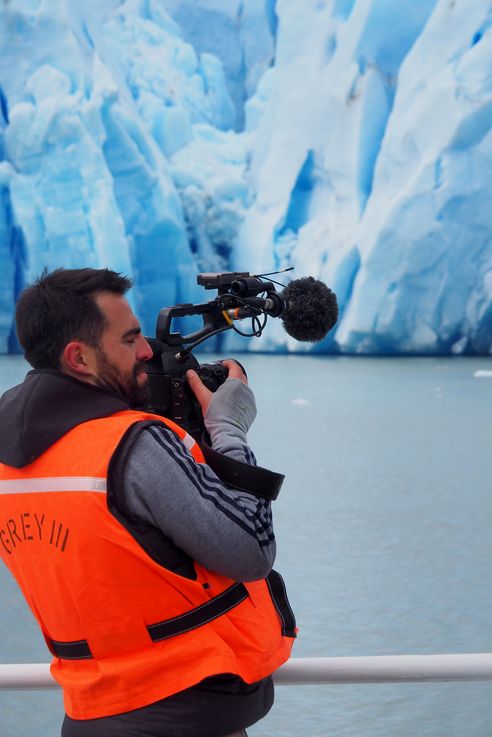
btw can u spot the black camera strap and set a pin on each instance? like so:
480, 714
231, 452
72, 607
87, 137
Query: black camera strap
255, 480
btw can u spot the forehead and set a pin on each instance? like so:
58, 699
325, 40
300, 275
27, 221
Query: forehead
117, 311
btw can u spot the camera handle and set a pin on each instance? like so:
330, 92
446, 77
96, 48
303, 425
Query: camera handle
213, 322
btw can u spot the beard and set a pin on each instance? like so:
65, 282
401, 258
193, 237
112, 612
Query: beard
110, 377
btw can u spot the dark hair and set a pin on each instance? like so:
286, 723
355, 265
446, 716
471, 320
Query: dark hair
59, 307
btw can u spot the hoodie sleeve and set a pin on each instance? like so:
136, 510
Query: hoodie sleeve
225, 530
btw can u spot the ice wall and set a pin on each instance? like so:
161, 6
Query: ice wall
349, 138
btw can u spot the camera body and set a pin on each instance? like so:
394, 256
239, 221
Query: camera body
169, 392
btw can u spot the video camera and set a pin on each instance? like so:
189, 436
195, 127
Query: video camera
308, 310
307, 307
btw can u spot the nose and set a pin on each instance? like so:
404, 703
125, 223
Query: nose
145, 352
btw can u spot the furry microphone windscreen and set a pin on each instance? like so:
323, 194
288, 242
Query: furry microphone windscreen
312, 309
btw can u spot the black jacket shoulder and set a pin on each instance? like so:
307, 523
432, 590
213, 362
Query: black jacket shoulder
48, 403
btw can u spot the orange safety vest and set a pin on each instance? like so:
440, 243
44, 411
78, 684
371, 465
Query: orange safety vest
125, 631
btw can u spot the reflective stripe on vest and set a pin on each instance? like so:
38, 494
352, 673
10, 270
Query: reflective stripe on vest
53, 483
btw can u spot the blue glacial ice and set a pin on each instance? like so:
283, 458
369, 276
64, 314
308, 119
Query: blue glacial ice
350, 139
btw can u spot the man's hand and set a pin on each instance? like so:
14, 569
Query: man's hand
204, 395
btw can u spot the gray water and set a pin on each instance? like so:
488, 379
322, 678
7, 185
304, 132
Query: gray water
383, 529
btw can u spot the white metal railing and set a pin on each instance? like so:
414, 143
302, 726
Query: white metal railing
386, 669
311, 671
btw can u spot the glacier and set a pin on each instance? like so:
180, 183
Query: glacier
350, 139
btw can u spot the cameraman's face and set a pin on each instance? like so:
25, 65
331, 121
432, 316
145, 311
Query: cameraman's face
122, 352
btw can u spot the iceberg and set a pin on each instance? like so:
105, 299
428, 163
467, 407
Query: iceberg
350, 139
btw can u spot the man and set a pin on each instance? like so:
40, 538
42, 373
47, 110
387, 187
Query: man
146, 573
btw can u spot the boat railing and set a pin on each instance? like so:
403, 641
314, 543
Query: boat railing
315, 671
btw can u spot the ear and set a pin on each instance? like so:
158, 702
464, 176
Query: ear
78, 359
